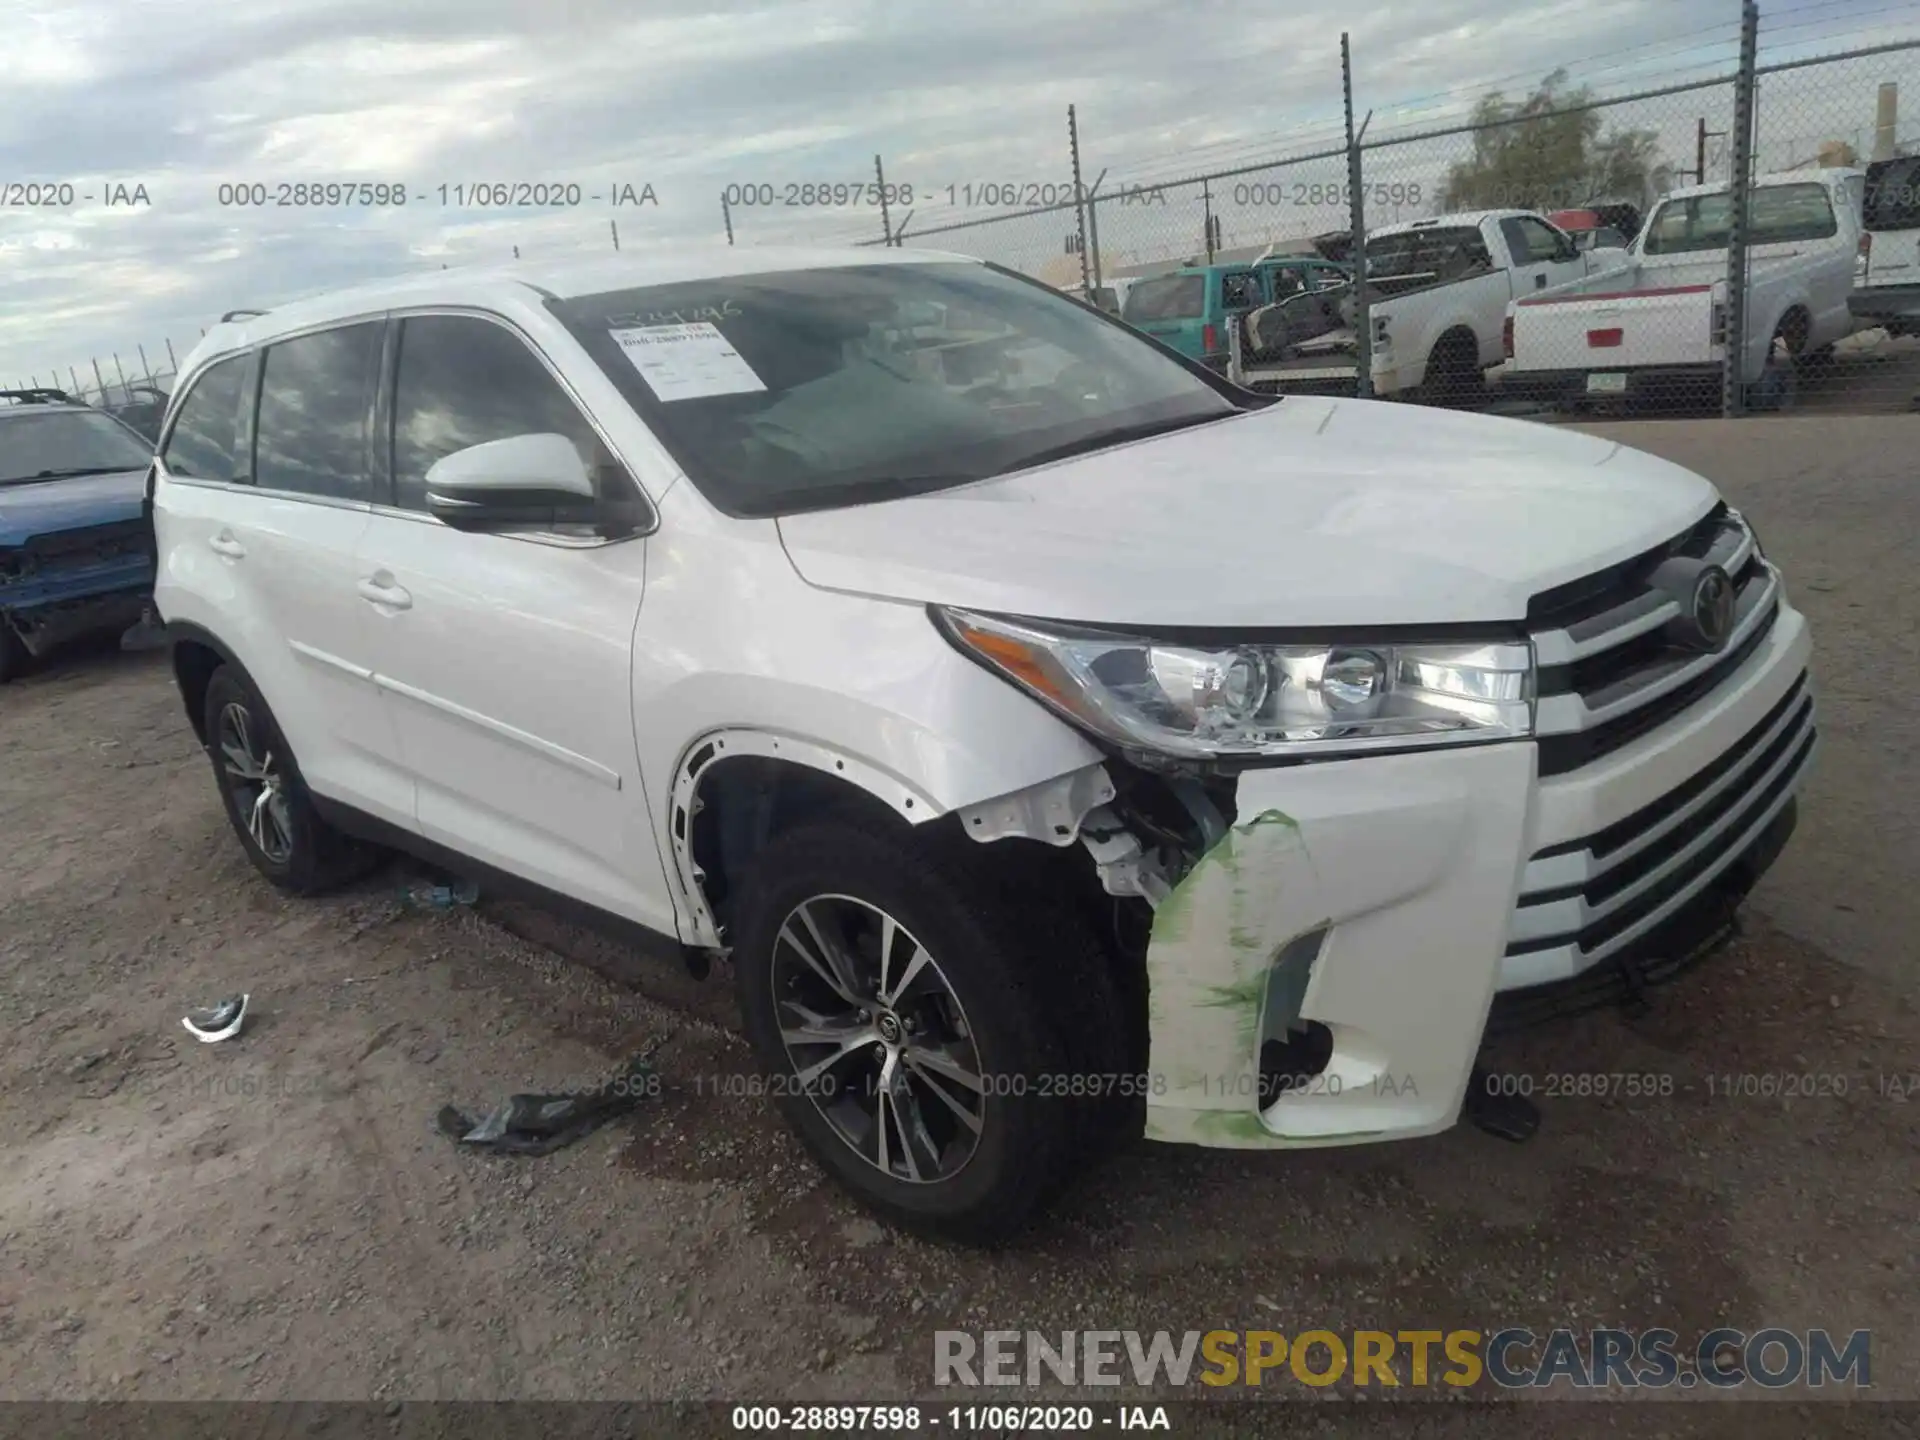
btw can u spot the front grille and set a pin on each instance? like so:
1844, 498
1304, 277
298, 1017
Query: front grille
1591, 897
1608, 673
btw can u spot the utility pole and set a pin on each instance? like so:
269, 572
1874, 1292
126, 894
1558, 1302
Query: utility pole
1700, 138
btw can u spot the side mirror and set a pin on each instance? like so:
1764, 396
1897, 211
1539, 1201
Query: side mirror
524, 481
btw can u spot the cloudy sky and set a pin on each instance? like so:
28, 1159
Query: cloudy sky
182, 97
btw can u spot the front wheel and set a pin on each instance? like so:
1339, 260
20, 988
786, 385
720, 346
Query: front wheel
892, 1002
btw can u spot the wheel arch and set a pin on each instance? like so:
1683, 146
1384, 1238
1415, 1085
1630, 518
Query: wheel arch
735, 788
196, 653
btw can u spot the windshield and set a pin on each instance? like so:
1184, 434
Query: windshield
66, 442
1893, 194
1167, 297
1775, 214
804, 389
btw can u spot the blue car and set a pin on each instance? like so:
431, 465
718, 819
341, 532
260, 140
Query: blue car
76, 547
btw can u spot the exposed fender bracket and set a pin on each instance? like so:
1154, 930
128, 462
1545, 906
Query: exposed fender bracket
1051, 811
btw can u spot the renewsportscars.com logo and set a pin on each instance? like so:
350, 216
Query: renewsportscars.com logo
1512, 1358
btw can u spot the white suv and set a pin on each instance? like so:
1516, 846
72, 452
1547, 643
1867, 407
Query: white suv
1060, 743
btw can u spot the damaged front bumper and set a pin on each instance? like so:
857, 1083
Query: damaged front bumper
1347, 933
48, 605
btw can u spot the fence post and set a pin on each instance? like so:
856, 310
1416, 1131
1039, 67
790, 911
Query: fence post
1079, 200
1357, 224
614, 227
726, 214
75, 375
886, 218
143, 363
1733, 390
1093, 226
1206, 217
100, 379
1237, 348
172, 364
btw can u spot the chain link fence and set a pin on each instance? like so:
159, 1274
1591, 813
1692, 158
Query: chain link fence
1740, 241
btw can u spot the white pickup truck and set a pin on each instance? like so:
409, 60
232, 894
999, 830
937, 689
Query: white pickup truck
1656, 321
1440, 288
1888, 293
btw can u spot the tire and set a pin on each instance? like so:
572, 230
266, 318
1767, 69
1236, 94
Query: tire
1453, 379
975, 1002
1778, 387
14, 658
266, 801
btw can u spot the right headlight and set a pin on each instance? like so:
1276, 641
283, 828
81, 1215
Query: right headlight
1264, 700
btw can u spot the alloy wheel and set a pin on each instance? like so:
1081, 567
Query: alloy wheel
256, 783
877, 1038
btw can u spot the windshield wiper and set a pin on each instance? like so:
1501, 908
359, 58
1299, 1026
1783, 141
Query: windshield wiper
1144, 430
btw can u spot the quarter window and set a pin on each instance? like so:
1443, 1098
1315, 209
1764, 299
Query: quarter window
464, 381
311, 436
205, 443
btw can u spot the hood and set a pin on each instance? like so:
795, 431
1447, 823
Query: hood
1310, 512
1335, 245
41, 507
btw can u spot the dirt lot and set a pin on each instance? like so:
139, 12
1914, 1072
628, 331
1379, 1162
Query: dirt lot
275, 1217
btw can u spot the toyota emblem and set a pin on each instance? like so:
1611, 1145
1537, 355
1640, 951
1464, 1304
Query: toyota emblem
1711, 612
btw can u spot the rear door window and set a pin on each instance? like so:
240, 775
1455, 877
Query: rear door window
311, 434
1776, 214
1893, 194
1167, 297
206, 439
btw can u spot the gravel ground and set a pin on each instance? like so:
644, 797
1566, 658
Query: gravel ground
275, 1217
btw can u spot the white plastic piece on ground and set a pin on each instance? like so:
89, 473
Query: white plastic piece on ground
220, 1021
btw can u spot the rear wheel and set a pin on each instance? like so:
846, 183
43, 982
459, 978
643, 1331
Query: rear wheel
893, 998
1453, 377
1778, 387
266, 800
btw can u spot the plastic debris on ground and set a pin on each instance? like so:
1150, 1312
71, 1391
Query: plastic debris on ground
219, 1021
438, 894
540, 1124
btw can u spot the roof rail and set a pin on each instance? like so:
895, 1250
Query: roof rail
233, 315
40, 396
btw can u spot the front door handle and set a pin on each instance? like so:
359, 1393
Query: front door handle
384, 592
225, 544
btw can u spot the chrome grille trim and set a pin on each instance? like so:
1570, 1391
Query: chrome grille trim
1638, 614
1569, 714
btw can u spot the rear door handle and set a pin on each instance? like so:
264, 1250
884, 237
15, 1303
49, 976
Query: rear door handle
383, 592
225, 544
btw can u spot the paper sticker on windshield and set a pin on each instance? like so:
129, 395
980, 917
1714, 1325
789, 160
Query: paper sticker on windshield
684, 362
